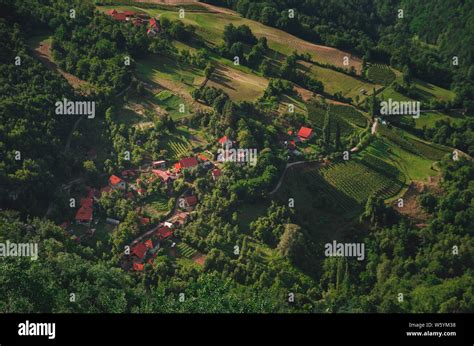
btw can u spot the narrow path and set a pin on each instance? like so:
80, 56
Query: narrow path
374, 127
288, 165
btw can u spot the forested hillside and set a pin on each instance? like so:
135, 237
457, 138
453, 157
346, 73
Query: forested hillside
437, 31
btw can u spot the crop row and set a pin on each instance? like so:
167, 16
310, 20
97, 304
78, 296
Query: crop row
185, 250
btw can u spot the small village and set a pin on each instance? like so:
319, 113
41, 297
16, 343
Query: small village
158, 234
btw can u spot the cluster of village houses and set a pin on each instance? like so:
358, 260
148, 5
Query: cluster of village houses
133, 183
137, 19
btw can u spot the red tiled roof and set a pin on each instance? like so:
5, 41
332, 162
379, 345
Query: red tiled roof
223, 139
188, 162
290, 132
129, 13
84, 214
191, 200
164, 176
138, 266
87, 202
164, 232
139, 250
114, 180
305, 132
119, 16
153, 22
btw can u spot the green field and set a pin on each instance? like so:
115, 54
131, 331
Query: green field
424, 91
335, 81
156, 68
172, 104
155, 206
428, 119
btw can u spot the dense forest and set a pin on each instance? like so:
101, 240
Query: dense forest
431, 266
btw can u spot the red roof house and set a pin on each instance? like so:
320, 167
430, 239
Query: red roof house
139, 250
186, 163
120, 17
138, 266
112, 12
305, 133
164, 232
87, 202
164, 176
116, 183
224, 140
84, 215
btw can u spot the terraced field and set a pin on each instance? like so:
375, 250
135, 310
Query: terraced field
178, 147
381, 74
185, 250
413, 145
349, 119
358, 179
